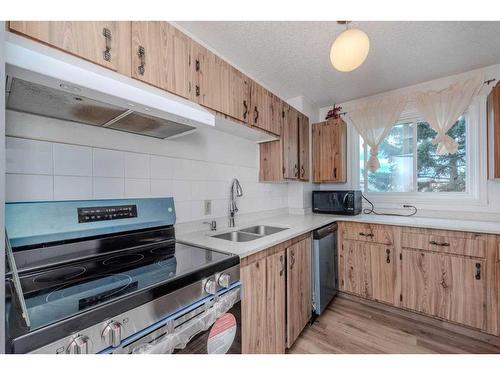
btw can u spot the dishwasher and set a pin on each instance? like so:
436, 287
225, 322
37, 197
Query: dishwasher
325, 267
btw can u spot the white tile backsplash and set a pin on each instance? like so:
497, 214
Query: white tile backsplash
28, 187
72, 187
28, 156
70, 160
108, 163
109, 187
44, 171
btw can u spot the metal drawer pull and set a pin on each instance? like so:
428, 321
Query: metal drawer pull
107, 37
478, 271
246, 109
302, 171
296, 171
142, 57
292, 259
197, 90
282, 261
255, 114
197, 65
388, 259
439, 243
366, 234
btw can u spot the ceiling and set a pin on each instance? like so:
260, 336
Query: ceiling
292, 58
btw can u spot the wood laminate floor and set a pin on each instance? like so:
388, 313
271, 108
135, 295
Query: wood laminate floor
351, 327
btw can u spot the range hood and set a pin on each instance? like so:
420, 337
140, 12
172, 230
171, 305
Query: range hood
50, 83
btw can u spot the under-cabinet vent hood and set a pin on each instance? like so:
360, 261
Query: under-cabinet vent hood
50, 83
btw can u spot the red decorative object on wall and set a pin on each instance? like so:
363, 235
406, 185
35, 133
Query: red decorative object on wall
334, 112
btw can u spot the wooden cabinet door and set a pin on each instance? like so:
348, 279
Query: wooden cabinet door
239, 95
299, 305
303, 147
493, 118
383, 267
449, 287
276, 303
260, 107
254, 307
277, 106
160, 56
290, 141
271, 161
329, 151
106, 43
354, 258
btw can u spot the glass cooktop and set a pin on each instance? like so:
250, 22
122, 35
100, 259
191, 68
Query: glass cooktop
60, 292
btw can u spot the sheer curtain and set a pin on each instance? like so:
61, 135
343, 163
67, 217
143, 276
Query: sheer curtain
373, 120
442, 109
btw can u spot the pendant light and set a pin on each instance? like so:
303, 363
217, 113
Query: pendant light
350, 49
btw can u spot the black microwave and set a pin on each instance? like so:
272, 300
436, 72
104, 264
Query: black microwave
338, 202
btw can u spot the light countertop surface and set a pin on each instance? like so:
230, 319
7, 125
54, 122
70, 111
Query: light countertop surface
300, 224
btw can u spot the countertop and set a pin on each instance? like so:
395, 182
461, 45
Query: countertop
300, 224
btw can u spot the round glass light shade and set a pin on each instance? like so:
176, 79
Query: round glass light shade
349, 50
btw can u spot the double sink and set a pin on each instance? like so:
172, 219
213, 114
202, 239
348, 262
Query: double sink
249, 234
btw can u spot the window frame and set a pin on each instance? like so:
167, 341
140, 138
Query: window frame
475, 194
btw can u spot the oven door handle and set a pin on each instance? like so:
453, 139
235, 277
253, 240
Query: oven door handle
183, 335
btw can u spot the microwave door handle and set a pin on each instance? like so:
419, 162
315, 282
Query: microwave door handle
344, 201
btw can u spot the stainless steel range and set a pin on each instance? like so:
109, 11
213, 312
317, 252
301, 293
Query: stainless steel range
107, 276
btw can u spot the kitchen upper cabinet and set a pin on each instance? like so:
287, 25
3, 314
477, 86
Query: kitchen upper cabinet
299, 305
493, 105
290, 140
239, 95
446, 286
329, 151
276, 302
160, 56
303, 147
106, 43
261, 109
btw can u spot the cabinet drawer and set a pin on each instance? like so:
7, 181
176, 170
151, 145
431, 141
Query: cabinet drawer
446, 242
368, 232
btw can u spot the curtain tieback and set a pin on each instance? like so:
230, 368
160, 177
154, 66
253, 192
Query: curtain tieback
446, 144
373, 164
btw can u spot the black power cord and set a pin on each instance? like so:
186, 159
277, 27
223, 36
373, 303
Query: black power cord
372, 209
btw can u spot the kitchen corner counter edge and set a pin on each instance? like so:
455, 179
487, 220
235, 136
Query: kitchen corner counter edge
297, 225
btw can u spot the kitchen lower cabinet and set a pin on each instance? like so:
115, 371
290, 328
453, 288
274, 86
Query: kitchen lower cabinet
298, 289
354, 257
383, 266
277, 299
449, 287
106, 43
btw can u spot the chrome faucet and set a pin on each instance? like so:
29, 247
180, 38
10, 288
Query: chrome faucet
236, 191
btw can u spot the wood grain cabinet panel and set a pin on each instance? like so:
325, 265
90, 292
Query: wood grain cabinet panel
330, 151
160, 56
384, 267
260, 109
449, 287
299, 297
239, 95
290, 140
368, 232
276, 302
493, 118
106, 43
304, 147
355, 261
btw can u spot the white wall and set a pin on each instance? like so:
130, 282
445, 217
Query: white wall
2, 190
490, 190
50, 159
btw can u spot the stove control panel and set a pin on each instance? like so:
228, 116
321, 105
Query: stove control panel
91, 214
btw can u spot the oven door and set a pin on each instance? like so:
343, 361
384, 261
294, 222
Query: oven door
213, 327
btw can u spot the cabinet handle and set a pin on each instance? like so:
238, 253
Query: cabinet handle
439, 243
335, 172
388, 258
142, 57
246, 109
302, 171
107, 38
255, 115
478, 271
197, 90
197, 65
296, 170
282, 261
366, 234
292, 259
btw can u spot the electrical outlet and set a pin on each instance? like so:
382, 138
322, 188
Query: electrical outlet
207, 207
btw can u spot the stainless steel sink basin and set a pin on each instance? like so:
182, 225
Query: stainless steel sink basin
249, 234
237, 236
262, 230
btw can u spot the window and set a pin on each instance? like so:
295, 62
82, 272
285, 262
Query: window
409, 162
